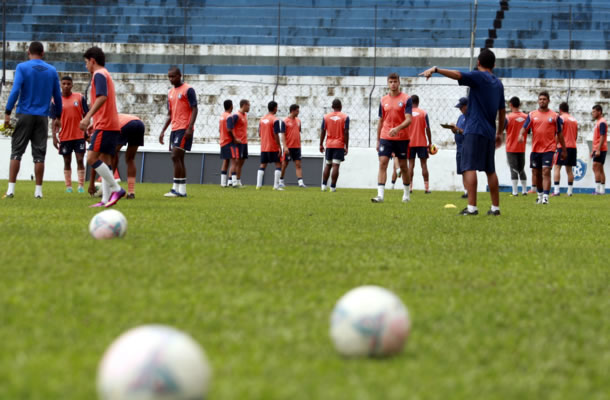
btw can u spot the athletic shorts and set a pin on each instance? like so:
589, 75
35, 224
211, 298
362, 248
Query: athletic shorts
30, 128
601, 158
241, 150
458, 161
270, 157
419, 151
294, 154
478, 153
229, 151
398, 147
104, 141
570, 160
541, 160
334, 156
132, 134
177, 139
516, 164
78, 146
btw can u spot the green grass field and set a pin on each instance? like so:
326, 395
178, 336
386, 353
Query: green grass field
509, 307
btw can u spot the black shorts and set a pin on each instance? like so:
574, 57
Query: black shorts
601, 158
478, 153
178, 139
421, 152
30, 128
541, 160
398, 147
132, 134
104, 141
458, 161
229, 151
294, 154
270, 157
570, 160
334, 156
241, 150
77, 146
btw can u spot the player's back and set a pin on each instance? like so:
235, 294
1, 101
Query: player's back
486, 97
269, 126
39, 79
335, 123
570, 131
514, 123
225, 138
417, 129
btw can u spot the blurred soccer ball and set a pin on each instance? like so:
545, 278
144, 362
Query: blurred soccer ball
369, 321
433, 149
108, 224
153, 362
98, 189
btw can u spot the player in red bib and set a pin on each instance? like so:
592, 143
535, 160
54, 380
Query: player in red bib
181, 114
106, 128
515, 151
237, 127
71, 138
335, 127
420, 139
570, 133
393, 136
292, 125
273, 145
228, 155
600, 148
546, 128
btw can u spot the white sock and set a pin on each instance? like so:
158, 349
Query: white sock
281, 181
105, 191
380, 190
103, 171
300, 182
515, 187
234, 179
182, 188
570, 189
556, 189
175, 185
276, 178
495, 208
406, 191
523, 186
223, 179
259, 178
598, 188
472, 208
238, 182
323, 188
333, 189
38, 191
602, 188
465, 191
11, 188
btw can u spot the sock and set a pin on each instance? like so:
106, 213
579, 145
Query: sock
234, 179
465, 191
38, 191
333, 188
570, 188
11, 188
598, 187
472, 208
182, 187
323, 187
238, 182
276, 178
380, 190
281, 181
223, 178
259, 177
515, 187
300, 181
106, 174
556, 187
131, 184
105, 191
81, 177
175, 185
426, 186
523, 186
406, 191
68, 177
534, 188
546, 192
495, 208
603, 188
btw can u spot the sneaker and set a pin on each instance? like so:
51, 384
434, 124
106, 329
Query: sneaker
69, 189
80, 189
524, 194
465, 195
281, 185
466, 212
115, 197
406, 199
495, 213
303, 186
570, 195
377, 199
427, 192
171, 193
555, 194
100, 204
545, 201
323, 189
514, 195
8, 196
131, 196
259, 187
279, 188
332, 189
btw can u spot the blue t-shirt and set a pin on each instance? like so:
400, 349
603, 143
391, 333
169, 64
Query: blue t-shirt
34, 85
459, 137
486, 97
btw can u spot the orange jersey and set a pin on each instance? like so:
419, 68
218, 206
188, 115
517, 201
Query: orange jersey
293, 132
392, 110
268, 127
570, 131
238, 122
417, 129
599, 137
514, 123
335, 124
73, 111
124, 119
106, 118
225, 138
545, 126
181, 101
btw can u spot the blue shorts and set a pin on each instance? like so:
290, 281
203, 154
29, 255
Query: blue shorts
77, 146
178, 139
132, 134
398, 147
541, 160
229, 151
270, 157
334, 156
458, 161
294, 154
570, 160
104, 141
601, 158
478, 153
240, 150
421, 152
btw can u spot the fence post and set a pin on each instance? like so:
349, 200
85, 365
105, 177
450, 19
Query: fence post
3, 44
374, 72
277, 67
185, 12
570, 59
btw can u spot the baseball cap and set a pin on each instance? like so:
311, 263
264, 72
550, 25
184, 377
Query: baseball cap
462, 102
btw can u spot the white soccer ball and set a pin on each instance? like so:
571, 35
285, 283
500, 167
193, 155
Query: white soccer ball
153, 362
108, 224
98, 189
369, 321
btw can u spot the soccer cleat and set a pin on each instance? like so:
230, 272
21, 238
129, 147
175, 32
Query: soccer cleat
69, 189
303, 186
545, 201
8, 196
427, 192
514, 195
570, 195
80, 189
495, 213
223, 186
259, 187
555, 194
332, 189
465, 196
539, 200
406, 199
377, 199
281, 185
524, 194
130, 196
100, 204
171, 193
38, 196
115, 197
279, 188
466, 212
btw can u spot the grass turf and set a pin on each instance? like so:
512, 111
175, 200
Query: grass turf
509, 307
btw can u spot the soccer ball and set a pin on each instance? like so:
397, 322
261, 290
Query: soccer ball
433, 149
153, 362
108, 224
369, 321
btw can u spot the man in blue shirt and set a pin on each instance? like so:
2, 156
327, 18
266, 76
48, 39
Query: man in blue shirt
458, 135
34, 84
481, 135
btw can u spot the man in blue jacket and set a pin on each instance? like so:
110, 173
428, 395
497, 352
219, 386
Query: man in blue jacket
34, 84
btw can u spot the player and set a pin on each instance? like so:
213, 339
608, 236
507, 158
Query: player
515, 150
485, 102
228, 153
71, 138
546, 128
34, 84
273, 145
335, 127
237, 126
420, 139
293, 140
600, 148
570, 133
106, 128
458, 136
181, 113
393, 136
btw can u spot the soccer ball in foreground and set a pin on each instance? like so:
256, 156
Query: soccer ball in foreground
108, 224
369, 321
153, 362
433, 149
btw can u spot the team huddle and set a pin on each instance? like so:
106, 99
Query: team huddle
403, 134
